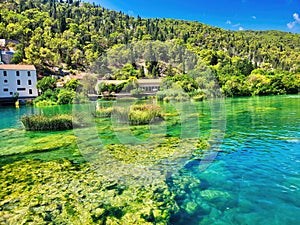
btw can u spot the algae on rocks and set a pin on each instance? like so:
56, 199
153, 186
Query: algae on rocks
61, 192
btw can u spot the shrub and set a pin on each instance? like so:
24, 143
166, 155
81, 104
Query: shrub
47, 123
45, 103
66, 96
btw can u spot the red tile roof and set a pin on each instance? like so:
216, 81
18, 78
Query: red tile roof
16, 67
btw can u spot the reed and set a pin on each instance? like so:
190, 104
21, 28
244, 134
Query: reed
47, 123
135, 115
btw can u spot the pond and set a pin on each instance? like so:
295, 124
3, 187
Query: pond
251, 175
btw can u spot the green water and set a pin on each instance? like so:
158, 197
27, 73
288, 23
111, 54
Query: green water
253, 179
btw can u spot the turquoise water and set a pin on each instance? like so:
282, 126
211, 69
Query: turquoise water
254, 178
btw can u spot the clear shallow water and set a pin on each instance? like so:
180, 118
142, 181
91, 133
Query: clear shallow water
253, 180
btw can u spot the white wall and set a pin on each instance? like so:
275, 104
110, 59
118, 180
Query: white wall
9, 84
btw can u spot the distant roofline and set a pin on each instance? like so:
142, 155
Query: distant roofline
16, 67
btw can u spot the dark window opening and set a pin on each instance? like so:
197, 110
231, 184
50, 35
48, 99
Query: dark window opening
4, 73
30, 91
29, 82
18, 73
5, 81
29, 73
18, 82
10, 93
5, 89
21, 89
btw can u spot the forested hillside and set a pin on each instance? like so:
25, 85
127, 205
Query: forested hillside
73, 35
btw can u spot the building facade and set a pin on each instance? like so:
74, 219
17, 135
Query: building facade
18, 81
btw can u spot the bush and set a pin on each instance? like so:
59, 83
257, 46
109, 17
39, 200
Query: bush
47, 123
66, 96
45, 103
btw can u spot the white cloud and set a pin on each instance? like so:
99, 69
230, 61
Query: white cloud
296, 17
254, 17
291, 25
296, 21
241, 28
228, 22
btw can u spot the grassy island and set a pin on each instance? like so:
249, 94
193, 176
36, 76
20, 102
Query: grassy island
47, 123
134, 115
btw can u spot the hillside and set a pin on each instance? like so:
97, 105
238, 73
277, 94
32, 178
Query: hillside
74, 35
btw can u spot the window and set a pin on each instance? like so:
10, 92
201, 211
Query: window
29, 82
4, 73
18, 82
21, 89
10, 93
28, 73
18, 73
30, 91
5, 89
5, 81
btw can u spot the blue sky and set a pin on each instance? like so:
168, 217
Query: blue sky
281, 15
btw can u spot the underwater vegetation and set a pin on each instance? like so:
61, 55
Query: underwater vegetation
61, 192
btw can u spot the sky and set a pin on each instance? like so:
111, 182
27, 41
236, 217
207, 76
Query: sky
281, 15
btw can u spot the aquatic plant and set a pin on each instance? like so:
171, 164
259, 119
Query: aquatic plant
135, 115
61, 192
144, 114
103, 112
47, 123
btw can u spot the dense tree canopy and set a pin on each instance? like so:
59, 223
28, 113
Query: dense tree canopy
74, 34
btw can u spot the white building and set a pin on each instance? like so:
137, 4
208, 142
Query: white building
18, 80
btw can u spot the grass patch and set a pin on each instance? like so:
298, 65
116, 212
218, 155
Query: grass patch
47, 123
135, 115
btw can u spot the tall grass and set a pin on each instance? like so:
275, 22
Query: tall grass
135, 115
144, 114
47, 123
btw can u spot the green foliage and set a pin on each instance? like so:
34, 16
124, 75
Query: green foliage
46, 83
110, 88
137, 92
186, 82
43, 123
48, 97
127, 71
65, 96
78, 34
175, 92
57, 33
41, 103
72, 84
